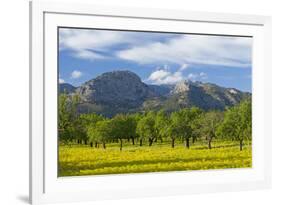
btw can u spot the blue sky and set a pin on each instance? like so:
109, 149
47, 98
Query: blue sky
157, 58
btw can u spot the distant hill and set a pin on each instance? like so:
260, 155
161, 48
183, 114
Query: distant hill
66, 88
124, 92
206, 96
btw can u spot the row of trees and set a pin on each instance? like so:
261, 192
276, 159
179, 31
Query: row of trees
186, 124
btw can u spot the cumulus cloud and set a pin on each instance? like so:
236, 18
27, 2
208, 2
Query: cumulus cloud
76, 74
197, 76
61, 80
193, 49
159, 74
168, 78
164, 76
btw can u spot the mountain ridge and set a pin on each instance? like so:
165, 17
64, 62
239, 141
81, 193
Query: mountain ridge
123, 92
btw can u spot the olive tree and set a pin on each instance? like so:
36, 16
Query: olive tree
101, 132
182, 123
87, 121
68, 122
237, 123
124, 127
161, 124
173, 128
146, 127
210, 121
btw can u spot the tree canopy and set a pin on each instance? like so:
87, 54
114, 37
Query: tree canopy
235, 123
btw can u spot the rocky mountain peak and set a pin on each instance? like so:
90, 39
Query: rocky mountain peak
118, 88
124, 92
185, 86
118, 75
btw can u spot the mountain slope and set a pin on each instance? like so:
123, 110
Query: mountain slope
205, 95
124, 92
118, 91
66, 88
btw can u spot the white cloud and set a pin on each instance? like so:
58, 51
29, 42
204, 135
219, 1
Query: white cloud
76, 74
159, 74
192, 76
77, 39
197, 76
61, 80
194, 49
203, 76
164, 76
84, 54
183, 67
87, 44
93, 44
146, 48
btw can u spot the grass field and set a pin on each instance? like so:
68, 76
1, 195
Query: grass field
77, 160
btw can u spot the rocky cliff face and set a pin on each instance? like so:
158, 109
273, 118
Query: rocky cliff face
206, 95
123, 92
118, 88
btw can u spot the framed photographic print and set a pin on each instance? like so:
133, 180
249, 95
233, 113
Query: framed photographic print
129, 102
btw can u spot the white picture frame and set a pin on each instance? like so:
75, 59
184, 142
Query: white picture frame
46, 187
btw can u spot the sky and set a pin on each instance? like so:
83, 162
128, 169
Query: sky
157, 58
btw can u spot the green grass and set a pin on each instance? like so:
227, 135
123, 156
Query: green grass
77, 160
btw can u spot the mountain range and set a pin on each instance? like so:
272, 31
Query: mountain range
124, 92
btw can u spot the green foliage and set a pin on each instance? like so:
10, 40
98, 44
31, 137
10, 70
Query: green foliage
90, 119
121, 127
237, 123
102, 132
124, 127
184, 124
146, 127
208, 124
68, 123
222, 130
177, 126
162, 122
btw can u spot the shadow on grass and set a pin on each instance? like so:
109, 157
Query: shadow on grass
220, 146
77, 166
88, 172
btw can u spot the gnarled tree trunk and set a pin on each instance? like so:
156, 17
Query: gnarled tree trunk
209, 143
133, 141
187, 142
103, 145
241, 144
121, 144
140, 142
173, 142
150, 141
